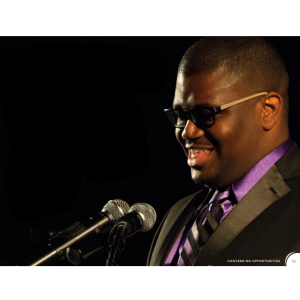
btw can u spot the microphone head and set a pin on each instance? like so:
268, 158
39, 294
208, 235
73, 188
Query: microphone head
115, 209
147, 213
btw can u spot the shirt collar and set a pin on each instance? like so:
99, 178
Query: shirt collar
243, 185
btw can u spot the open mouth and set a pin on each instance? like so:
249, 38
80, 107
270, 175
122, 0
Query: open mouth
197, 157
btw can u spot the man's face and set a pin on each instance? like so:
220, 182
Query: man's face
223, 153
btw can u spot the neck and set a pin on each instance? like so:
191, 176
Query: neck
273, 141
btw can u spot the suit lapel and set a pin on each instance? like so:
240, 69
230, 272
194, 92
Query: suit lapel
267, 190
176, 220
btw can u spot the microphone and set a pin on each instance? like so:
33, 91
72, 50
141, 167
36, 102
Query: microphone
95, 227
140, 217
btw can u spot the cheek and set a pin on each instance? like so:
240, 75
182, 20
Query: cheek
230, 138
241, 137
178, 134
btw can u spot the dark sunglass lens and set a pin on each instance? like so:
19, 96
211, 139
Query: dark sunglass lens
203, 117
177, 119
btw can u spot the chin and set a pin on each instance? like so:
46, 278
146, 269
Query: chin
202, 181
208, 180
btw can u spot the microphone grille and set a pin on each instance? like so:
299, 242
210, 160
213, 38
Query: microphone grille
147, 213
115, 209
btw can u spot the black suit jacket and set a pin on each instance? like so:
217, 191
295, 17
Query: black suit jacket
262, 229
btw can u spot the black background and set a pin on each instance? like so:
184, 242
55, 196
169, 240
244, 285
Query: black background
54, 174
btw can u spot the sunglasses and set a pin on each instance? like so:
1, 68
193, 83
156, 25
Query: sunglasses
202, 117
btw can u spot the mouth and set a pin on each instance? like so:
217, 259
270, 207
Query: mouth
198, 157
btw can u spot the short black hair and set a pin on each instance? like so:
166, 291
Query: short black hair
252, 59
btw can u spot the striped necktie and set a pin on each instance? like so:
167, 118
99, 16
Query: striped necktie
207, 221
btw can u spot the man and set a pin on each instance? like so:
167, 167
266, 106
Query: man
230, 112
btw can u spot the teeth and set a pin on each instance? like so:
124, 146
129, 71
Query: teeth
192, 151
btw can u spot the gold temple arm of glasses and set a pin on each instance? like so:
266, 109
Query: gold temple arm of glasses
241, 100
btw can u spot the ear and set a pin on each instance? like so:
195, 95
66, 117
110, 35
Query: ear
272, 108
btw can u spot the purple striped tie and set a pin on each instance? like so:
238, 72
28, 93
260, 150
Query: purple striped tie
207, 220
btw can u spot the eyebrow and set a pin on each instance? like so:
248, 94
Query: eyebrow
203, 105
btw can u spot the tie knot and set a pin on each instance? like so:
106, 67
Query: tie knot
222, 195
219, 204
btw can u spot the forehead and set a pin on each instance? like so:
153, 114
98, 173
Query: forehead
206, 88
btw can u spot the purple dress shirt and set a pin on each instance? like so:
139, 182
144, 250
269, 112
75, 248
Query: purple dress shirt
240, 189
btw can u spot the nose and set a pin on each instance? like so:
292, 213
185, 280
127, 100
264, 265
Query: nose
191, 131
